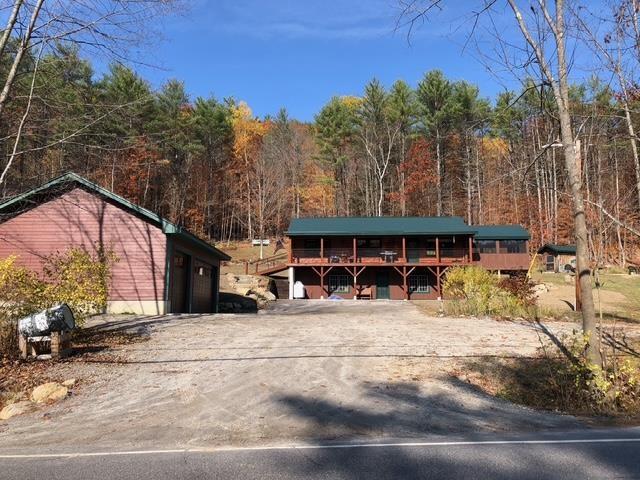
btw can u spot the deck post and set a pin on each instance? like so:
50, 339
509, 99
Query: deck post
321, 283
439, 286
438, 249
291, 282
355, 250
290, 250
404, 279
322, 249
404, 249
470, 249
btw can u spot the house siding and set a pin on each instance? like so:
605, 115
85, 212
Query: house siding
203, 294
82, 219
367, 279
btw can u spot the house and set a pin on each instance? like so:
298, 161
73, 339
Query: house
395, 257
556, 258
502, 248
160, 267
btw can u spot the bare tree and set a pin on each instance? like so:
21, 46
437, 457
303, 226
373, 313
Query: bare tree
545, 50
110, 28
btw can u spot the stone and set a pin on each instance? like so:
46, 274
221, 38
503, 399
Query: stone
69, 383
15, 409
49, 393
267, 295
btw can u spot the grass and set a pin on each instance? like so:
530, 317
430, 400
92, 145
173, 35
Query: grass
624, 305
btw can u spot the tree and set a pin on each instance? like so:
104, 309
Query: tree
550, 35
36, 29
435, 94
378, 132
335, 128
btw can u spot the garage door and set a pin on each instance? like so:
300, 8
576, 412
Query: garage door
203, 287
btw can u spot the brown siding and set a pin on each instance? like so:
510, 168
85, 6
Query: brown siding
311, 281
505, 261
81, 219
203, 289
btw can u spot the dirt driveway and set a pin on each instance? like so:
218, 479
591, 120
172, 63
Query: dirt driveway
299, 372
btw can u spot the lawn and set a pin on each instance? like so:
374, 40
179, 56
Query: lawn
619, 295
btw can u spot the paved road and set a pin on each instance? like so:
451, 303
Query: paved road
604, 454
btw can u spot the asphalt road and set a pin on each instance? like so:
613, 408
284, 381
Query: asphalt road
589, 454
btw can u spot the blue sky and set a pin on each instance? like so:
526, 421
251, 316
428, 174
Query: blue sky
298, 54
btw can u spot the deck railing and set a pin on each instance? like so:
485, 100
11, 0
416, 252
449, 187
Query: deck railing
379, 255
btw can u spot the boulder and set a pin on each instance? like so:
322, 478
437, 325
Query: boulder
15, 409
70, 383
540, 288
49, 393
267, 295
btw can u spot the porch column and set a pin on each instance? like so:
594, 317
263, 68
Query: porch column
438, 249
404, 249
290, 250
322, 249
355, 250
438, 283
404, 279
291, 282
470, 249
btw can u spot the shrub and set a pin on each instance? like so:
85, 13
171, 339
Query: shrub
77, 278
562, 379
476, 291
520, 287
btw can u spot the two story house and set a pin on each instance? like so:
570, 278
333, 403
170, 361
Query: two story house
395, 257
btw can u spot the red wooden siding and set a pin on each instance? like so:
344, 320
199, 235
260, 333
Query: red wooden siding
79, 218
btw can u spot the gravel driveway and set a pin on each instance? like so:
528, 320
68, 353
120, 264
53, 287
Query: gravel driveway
299, 372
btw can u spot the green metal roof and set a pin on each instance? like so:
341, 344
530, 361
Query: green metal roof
370, 226
501, 232
39, 194
558, 249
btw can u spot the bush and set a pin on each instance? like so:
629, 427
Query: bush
476, 291
75, 277
520, 287
562, 379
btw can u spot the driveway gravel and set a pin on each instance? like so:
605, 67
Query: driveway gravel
306, 371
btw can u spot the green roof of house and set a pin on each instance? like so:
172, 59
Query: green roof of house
370, 226
35, 196
558, 249
501, 232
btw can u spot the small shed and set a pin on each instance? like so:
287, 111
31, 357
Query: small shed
557, 258
161, 267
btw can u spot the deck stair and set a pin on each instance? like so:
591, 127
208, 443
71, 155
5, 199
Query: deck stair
269, 265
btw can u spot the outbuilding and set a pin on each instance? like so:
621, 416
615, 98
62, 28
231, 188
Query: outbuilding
557, 258
160, 268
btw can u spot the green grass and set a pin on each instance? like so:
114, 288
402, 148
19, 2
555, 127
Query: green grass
624, 284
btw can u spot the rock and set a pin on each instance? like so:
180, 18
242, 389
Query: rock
540, 288
15, 409
267, 295
49, 393
569, 278
69, 383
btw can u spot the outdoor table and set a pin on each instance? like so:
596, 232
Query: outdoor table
388, 256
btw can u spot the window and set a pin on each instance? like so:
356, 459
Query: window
369, 243
419, 284
339, 283
513, 246
486, 246
312, 243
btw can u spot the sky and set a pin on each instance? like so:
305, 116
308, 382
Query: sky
298, 54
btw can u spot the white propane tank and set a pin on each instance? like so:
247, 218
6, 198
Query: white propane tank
298, 290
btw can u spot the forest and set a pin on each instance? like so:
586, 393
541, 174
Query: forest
438, 147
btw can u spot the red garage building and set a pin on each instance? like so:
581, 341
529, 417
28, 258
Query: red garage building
161, 267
